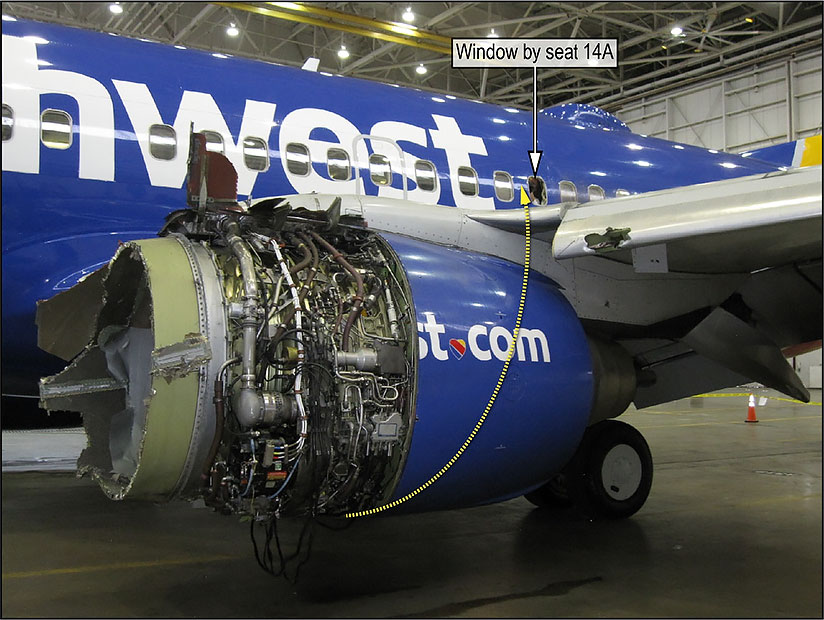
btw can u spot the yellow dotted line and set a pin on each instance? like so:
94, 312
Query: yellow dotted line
488, 408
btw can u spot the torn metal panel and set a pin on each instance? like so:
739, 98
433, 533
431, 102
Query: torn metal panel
181, 358
61, 330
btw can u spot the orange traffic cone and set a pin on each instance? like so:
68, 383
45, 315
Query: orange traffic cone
751, 410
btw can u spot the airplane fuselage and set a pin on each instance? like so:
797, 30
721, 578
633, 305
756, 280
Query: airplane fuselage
98, 140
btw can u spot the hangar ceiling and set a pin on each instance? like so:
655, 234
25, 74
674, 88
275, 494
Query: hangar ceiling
717, 38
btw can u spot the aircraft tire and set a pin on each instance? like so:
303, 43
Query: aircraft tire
616, 470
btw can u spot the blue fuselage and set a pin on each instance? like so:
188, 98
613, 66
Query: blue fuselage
66, 206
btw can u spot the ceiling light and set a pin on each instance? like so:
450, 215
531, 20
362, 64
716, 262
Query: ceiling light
180, 47
232, 30
408, 15
115, 8
676, 31
219, 55
9, 18
343, 52
420, 69
492, 34
663, 47
749, 20
512, 110
438, 100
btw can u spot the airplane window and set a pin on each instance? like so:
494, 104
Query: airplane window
425, 175
379, 169
214, 141
8, 122
596, 192
621, 192
297, 159
255, 154
337, 160
569, 193
56, 129
504, 189
162, 141
468, 181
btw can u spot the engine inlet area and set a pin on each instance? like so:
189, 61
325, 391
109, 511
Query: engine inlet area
263, 361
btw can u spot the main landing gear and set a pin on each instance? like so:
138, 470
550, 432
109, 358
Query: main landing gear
609, 476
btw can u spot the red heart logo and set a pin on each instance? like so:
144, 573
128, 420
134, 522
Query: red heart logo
458, 347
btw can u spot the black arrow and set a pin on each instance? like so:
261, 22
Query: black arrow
535, 155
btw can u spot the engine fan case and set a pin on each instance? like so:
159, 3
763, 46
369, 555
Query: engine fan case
148, 419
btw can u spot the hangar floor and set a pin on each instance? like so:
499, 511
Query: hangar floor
732, 528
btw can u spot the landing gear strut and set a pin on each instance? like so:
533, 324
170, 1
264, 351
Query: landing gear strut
609, 476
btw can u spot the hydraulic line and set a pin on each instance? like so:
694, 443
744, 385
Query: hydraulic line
247, 400
304, 425
357, 299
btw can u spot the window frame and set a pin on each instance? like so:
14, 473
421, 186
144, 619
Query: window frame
10, 124
262, 145
431, 167
387, 163
70, 132
208, 132
461, 184
510, 183
594, 190
564, 188
173, 135
329, 163
289, 162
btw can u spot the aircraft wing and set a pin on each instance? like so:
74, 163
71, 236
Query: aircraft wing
738, 225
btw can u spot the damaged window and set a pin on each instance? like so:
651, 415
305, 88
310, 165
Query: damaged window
8, 122
504, 189
379, 169
337, 160
425, 175
468, 181
297, 159
255, 154
162, 141
56, 129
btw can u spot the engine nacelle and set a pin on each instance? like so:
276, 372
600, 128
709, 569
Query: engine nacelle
283, 363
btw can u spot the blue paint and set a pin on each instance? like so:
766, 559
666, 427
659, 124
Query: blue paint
539, 414
56, 225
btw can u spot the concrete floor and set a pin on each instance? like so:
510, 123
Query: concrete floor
732, 528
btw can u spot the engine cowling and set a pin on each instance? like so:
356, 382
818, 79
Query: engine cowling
292, 364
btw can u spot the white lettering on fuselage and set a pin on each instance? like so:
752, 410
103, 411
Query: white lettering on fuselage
483, 343
24, 82
201, 110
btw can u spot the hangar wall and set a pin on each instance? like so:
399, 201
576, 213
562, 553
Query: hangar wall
758, 107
